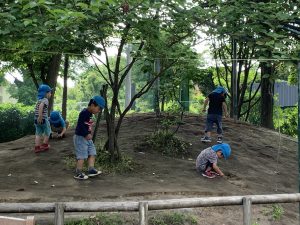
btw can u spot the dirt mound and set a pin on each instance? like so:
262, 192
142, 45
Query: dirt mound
262, 162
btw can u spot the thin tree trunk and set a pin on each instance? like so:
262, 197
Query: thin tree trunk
65, 88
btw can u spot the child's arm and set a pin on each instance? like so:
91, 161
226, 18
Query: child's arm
205, 104
217, 169
224, 106
63, 132
40, 117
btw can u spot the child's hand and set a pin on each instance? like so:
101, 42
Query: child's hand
40, 120
88, 137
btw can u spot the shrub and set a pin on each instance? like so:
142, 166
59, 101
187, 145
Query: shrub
17, 120
166, 143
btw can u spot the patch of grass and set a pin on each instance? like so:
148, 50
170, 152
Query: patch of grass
123, 165
277, 211
70, 162
173, 218
100, 219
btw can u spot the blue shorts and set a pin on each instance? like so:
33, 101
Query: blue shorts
42, 129
83, 148
210, 120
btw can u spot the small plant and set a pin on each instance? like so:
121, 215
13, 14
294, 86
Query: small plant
173, 218
255, 223
277, 211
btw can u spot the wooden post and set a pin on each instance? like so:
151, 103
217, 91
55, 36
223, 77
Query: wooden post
143, 213
59, 214
246, 211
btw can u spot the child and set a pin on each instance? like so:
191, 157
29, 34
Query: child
206, 162
42, 126
84, 146
217, 104
58, 125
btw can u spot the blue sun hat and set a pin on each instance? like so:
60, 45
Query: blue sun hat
43, 90
224, 147
220, 90
100, 101
55, 117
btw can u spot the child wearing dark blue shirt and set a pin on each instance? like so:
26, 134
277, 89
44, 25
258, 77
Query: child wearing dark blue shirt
217, 105
84, 146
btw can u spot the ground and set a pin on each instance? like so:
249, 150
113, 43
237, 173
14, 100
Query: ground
262, 162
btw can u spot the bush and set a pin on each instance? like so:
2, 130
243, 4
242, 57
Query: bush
168, 144
17, 120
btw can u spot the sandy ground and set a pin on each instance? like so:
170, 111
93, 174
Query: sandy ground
262, 162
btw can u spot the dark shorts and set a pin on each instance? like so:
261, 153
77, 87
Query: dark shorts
210, 120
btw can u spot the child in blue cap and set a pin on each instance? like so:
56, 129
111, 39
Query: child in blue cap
206, 162
217, 105
58, 124
84, 146
42, 126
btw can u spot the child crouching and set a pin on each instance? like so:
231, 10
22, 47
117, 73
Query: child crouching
206, 162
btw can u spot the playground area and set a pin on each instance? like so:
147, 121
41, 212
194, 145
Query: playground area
262, 162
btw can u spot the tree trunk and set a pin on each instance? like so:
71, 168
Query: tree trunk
267, 101
52, 74
65, 88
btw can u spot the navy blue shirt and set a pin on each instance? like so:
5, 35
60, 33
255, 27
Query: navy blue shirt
215, 103
84, 123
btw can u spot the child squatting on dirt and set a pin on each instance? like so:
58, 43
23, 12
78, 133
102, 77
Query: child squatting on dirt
84, 146
206, 162
58, 125
41, 123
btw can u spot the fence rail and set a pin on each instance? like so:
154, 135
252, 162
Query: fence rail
144, 206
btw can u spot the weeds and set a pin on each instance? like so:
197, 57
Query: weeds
101, 219
173, 218
277, 211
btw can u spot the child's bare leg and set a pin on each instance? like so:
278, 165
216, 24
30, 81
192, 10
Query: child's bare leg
91, 161
208, 169
46, 139
79, 165
37, 140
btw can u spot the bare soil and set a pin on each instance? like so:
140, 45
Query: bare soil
262, 162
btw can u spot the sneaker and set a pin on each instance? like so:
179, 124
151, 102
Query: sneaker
208, 174
44, 147
206, 139
214, 173
220, 140
37, 149
81, 176
93, 172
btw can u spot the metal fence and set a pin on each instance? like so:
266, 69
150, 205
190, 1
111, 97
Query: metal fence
144, 206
